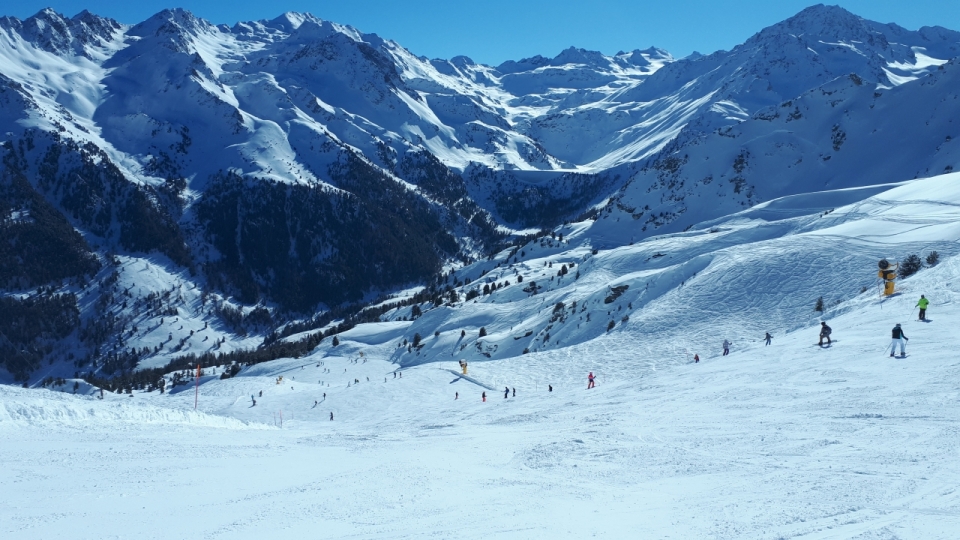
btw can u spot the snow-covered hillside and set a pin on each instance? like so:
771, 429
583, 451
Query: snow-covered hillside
789, 440
179, 187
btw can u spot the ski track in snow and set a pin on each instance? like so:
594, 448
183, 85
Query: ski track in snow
785, 441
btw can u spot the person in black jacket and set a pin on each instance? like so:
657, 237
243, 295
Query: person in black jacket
898, 337
825, 333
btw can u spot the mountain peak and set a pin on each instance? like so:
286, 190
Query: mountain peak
575, 55
820, 21
289, 21
171, 21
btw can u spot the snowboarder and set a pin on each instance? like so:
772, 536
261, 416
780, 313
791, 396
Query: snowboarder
261, 394
825, 333
253, 400
514, 392
506, 392
591, 381
331, 416
484, 397
550, 387
898, 337
726, 347
922, 304
456, 396
324, 396
696, 359
768, 337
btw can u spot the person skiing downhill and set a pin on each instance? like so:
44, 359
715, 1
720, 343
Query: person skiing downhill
726, 347
824, 333
898, 337
590, 381
768, 337
484, 397
506, 393
922, 304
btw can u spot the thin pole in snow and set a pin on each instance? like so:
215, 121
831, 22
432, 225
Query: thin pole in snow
281, 419
196, 388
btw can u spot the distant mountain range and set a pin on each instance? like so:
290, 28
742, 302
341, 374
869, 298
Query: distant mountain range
301, 164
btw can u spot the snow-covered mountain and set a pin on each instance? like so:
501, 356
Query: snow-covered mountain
261, 172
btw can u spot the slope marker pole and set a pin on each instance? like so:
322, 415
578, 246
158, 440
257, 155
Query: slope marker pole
196, 388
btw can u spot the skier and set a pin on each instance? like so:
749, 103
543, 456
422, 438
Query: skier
590, 381
824, 333
514, 393
261, 394
550, 387
253, 400
506, 392
922, 304
324, 396
898, 337
696, 359
456, 396
768, 337
484, 397
331, 416
726, 347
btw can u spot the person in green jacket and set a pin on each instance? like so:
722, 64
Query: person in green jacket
922, 304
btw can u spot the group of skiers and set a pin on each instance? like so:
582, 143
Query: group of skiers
898, 337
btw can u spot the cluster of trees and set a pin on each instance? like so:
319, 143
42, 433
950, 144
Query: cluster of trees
303, 245
911, 264
81, 179
541, 205
29, 326
37, 244
148, 378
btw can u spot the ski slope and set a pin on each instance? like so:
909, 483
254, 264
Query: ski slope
783, 441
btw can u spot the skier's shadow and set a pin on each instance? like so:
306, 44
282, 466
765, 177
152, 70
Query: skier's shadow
455, 380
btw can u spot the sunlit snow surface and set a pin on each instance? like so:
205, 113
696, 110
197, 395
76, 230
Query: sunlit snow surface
785, 441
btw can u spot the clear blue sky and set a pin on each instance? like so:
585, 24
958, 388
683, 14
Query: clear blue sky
491, 31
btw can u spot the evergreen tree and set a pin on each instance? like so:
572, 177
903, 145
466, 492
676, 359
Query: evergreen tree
910, 265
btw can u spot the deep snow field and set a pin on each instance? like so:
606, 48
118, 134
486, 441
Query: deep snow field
782, 441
